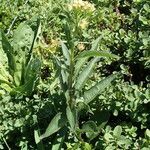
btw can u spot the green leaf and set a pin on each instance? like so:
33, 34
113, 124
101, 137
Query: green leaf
59, 139
95, 44
7, 48
56, 124
96, 54
22, 42
100, 118
117, 131
91, 129
81, 61
147, 132
71, 116
98, 88
85, 74
108, 136
38, 141
31, 76
36, 29
79, 64
65, 53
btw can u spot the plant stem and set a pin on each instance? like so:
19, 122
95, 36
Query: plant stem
71, 90
6, 144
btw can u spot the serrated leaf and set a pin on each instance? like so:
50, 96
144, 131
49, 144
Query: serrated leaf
56, 124
85, 74
98, 88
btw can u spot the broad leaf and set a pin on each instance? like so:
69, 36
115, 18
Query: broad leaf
56, 124
98, 88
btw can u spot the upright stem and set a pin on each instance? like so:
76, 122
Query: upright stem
71, 90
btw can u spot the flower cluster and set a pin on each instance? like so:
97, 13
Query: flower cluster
81, 5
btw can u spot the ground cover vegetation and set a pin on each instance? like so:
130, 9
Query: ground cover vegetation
75, 74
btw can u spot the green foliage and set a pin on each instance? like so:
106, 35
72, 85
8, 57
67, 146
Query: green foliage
60, 78
22, 69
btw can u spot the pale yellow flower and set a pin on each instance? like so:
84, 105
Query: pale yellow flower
82, 5
81, 46
83, 24
55, 43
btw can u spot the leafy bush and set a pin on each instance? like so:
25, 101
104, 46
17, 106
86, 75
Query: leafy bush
84, 84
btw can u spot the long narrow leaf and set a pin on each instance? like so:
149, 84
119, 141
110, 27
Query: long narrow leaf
98, 88
56, 124
7, 48
36, 30
65, 53
85, 74
95, 44
79, 64
71, 116
96, 54
81, 61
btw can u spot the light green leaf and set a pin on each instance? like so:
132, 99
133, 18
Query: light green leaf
98, 88
31, 76
147, 132
117, 131
38, 141
108, 136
